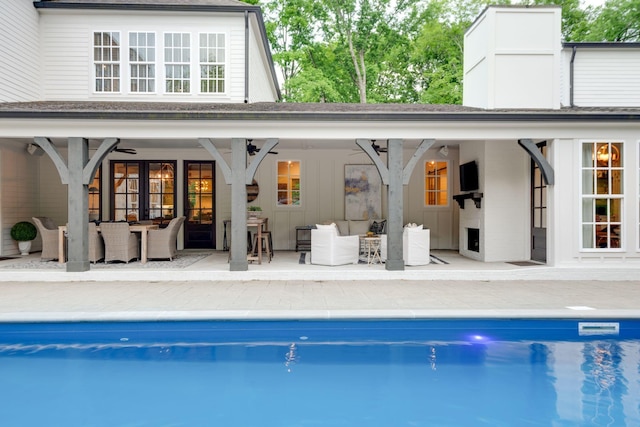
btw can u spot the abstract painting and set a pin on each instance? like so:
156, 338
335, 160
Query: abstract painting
362, 192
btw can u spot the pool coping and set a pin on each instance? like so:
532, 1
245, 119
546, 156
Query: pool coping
152, 316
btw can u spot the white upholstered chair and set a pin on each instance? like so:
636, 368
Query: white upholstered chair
328, 248
416, 243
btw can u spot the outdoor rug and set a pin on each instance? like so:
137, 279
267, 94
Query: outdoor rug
433, 259
524, 263
180, 261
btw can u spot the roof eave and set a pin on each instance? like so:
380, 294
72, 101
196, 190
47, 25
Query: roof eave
155, 7
322, 116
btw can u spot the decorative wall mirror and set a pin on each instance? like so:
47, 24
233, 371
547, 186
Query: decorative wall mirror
252, 191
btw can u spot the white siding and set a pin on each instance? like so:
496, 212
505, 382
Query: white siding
512, 59
506, 203
261, 87
67, 53
476, 72
19, 74
607, 78
19, 177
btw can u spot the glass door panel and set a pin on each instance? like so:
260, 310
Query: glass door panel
199, 205
143, 190
125, 185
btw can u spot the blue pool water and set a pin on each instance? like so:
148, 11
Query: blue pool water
321, 373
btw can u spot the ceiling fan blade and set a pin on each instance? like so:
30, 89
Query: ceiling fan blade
126, 150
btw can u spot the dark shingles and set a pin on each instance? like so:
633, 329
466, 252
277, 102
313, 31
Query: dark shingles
300, 111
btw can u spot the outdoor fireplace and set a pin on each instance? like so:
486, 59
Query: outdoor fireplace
473, 239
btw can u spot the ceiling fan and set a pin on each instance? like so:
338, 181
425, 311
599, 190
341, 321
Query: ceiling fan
125, 150
378, 149
252, 149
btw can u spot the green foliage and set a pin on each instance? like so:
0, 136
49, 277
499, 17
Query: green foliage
23, 231
403, 51
616, 21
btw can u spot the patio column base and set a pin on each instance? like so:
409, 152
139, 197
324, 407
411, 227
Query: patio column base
77, 266
394, 264
238, 265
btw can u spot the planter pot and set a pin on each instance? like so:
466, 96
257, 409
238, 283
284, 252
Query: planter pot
254, 214
24, 247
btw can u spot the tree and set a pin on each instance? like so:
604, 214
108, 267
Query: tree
402, 50
616, 21
356, 24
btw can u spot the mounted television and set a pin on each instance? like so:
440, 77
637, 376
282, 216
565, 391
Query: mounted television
469, 176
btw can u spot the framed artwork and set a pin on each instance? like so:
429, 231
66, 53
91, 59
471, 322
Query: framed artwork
362, 192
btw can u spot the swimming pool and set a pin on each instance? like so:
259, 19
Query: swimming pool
321, 373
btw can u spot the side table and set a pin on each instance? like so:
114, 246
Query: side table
303, 237
372, 247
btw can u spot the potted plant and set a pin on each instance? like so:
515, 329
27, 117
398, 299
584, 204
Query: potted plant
254, 212
24, 232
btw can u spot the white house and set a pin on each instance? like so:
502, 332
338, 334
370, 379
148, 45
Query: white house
148, 109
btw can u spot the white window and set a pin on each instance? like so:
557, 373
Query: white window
288, 192
142, 58
436, 183
602, 195
177, 59
212, 63
106, 60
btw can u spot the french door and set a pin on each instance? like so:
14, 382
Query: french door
199, 192
538, 211
143, 190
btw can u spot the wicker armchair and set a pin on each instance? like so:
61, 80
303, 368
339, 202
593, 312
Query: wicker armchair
96, 244
120, 244
163, 242
48, 231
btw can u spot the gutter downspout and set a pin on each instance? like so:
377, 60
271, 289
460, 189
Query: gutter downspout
571, 72
246, 56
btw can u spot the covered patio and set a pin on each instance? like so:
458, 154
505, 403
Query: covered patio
323, 138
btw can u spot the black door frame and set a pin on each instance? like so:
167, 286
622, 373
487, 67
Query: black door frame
538, 188
143, 187
198, 235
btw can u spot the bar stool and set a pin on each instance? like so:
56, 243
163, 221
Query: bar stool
266, 244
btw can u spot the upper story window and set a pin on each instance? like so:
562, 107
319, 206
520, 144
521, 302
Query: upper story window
142, 59
602, 195
288, 183
106, 59
212, 63
436, 183
177, 59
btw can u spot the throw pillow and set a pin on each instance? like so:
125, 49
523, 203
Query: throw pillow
343, 227
331, 227
358, 228
377, 227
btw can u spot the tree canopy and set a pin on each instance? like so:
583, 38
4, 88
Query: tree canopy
403, 51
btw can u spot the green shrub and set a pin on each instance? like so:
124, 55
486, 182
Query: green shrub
23, 231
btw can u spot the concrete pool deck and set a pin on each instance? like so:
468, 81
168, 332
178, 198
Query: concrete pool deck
287, 289
200, 300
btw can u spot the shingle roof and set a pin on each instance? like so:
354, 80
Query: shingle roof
301, 111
